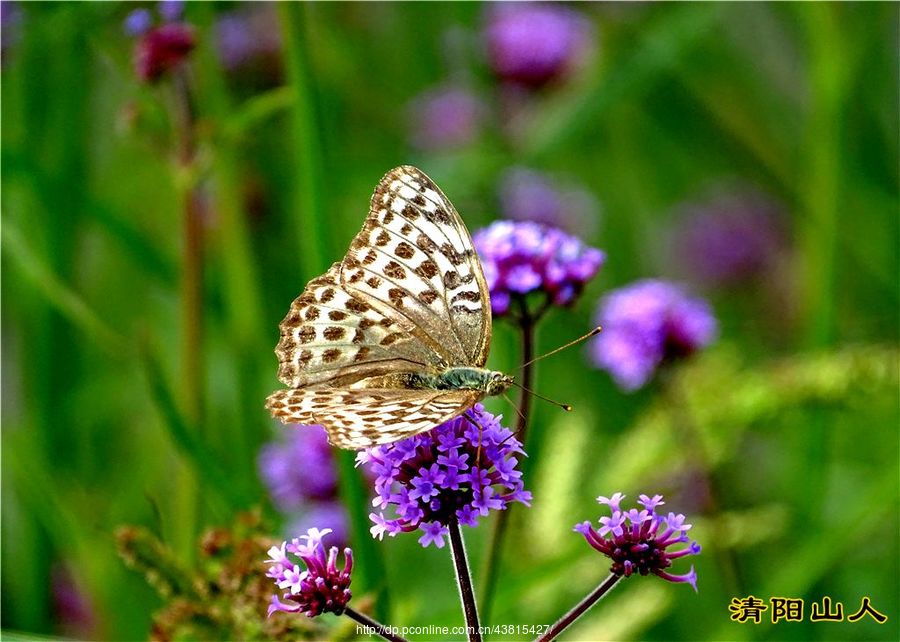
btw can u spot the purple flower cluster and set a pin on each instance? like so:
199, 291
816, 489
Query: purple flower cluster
646, 324
531, 44
637, 541
321, 588
159, 49
299, 472
446, 474
446, 117
523, 257
529, 195
730, 238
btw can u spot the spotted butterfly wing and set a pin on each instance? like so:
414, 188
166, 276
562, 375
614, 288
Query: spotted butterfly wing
409, 297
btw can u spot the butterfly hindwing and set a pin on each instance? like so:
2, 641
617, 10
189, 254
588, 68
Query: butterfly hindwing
358, 418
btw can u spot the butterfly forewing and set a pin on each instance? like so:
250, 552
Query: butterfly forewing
415, 256
409, 297
360, 418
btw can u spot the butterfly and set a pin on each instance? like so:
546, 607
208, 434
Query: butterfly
392, 340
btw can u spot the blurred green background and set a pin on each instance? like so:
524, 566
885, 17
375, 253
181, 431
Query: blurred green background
127, 401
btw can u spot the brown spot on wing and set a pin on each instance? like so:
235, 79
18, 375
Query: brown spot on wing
334, 333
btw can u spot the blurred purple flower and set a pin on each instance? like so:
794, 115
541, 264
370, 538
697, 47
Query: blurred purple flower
648, 323
330, 514
638, 541
528, 195
299, 468
522, 257
435, 477
138, 22
248, 38
321, 588
10, 25
72, 608
170, 10
534, 43
162, 49
445, 117
729, 238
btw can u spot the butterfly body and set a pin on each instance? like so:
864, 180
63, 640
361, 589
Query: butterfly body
489, 382
392, 340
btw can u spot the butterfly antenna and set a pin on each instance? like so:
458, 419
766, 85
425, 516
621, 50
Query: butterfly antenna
564, 406
590, 334
515, 407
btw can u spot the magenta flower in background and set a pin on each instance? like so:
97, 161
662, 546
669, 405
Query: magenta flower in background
522, 257
646, 324
446, 117
729, 239
532, 44
321, 588
433, 478
639, 540
529, 195
162, 49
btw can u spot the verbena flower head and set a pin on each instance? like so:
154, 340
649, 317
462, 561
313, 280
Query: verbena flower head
523, 257
729, 238
529, 195
532, 44
299, 468
446, 117
319, 588
432, 478
648, 323
639, 540
248, 40
162, 49
331, 514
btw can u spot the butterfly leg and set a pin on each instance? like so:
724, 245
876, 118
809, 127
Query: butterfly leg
475, 423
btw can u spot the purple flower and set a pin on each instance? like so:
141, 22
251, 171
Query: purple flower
299, 468
433, 478
171, 10
521, 257
248, 39
321, 588
162, 49
445, 117
532, 44
639, 542
648, 323
330, 514
138, 22
528, 195
728, 239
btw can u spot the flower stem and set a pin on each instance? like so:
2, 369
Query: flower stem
377, 627
498, 534
695, 453
579, 609
464, 580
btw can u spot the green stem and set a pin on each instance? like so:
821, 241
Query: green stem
310, 217
490, 574
580, 609
464, 581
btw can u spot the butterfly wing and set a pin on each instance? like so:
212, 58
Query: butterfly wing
333, 335
414, 261
358, 418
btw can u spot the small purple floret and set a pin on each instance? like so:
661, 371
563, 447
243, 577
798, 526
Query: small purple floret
434, 478
648, 323
640, 541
